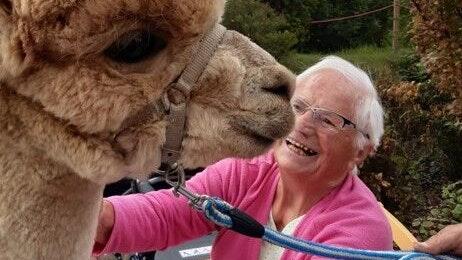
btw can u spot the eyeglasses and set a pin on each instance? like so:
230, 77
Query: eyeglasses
326, 118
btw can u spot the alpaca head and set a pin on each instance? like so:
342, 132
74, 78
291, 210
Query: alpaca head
90, 65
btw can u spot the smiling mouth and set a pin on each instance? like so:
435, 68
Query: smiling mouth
299, 148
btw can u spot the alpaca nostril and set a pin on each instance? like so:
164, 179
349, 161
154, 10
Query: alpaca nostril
279, 90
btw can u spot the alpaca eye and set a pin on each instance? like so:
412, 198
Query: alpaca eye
134, 47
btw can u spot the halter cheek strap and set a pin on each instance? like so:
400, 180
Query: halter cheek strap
173, 104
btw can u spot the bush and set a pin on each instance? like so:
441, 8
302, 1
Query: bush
448, 212
437, 33
420, 152
409, 68
262, 24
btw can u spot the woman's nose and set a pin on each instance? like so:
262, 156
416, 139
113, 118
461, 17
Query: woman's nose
306, 119
308, 115
305, 125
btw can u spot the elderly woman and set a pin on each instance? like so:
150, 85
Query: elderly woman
306, 186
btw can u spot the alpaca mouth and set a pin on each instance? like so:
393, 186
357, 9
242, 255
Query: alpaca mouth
259, 138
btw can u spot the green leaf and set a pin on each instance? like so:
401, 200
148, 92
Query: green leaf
457, 212
434, 212
427, 224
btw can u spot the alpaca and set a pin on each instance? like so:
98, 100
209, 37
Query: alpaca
72, 72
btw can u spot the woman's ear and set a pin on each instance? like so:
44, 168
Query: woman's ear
363, 153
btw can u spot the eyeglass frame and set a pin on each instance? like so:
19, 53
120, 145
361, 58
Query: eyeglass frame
314, 110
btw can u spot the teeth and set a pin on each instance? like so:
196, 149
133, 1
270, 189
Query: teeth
296, 150
299, 148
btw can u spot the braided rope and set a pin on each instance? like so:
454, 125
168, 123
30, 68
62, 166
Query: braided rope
214, 209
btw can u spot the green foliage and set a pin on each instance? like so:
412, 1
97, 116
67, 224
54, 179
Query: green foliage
409, 68
298, 14
370, 58
262, 24
298, 62
280, 25
452, 195
449, 211
371, 29
333, 36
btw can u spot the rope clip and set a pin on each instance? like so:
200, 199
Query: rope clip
175, 177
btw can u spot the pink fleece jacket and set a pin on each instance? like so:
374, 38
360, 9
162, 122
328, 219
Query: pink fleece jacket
349, 216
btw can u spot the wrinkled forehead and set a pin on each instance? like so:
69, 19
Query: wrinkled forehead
59, 23
330, 89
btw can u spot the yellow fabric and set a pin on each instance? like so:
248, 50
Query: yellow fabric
401, 235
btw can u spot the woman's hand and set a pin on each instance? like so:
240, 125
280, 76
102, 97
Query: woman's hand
105, 224
448, 240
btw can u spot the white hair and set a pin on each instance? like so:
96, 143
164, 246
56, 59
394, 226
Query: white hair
369, 111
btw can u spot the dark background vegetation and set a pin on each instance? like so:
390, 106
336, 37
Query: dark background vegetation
417, 171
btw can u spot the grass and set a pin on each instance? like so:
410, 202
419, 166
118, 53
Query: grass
373, 60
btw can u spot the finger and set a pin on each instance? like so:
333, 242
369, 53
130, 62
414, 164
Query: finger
439, 243
421, 247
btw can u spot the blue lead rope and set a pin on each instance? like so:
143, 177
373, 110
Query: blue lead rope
223, 214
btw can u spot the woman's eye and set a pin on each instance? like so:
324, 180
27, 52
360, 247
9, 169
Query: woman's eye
327, 121
134, 47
